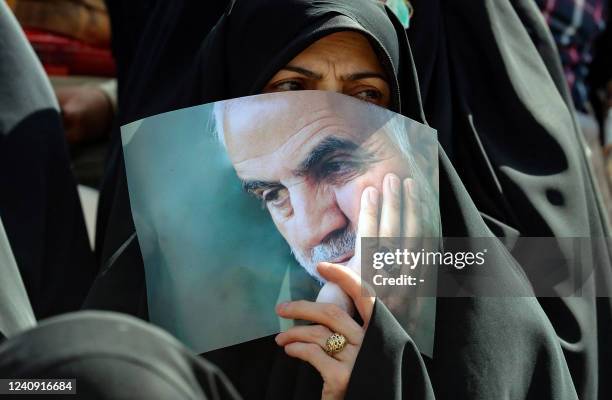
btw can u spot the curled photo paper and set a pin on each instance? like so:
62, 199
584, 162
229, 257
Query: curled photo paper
236, 202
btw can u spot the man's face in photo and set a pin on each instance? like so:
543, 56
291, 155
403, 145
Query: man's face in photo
309, 164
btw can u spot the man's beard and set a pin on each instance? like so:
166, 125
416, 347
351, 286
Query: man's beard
335, 246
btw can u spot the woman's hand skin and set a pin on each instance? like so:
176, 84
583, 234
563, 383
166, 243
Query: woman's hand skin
397, 217
307, 342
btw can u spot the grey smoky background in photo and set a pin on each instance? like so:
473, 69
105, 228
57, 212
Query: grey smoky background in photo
215, 263
211, 281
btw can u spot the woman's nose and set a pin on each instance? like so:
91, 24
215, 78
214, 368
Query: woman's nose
329, 84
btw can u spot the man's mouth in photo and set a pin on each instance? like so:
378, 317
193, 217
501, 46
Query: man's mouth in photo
344, 259
338, 249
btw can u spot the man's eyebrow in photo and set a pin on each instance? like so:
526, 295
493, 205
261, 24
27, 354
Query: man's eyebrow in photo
328, 147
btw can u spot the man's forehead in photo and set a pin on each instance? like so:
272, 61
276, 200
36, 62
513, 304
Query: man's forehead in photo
290, 137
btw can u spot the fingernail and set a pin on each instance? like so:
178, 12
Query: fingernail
281, 307
409, 188
394, 184
372, 197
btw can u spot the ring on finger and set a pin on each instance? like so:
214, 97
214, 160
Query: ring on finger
335, 343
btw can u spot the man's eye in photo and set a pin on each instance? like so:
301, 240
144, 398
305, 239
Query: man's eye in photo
342, 169
276, 198
270, 195
338, 171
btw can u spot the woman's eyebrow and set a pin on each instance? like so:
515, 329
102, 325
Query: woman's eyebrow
306, 72
363, 75
355, 76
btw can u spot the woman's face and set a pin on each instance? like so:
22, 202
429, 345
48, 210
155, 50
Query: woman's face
342, 62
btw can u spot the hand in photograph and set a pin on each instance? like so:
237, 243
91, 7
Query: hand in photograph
399, 217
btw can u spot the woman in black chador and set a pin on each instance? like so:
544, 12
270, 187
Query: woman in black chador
485, 86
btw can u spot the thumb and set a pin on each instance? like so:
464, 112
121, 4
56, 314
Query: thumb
332, 293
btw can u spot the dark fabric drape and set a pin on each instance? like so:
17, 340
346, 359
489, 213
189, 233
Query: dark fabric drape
39, 203
152, 41
112, 356
493, 86
16, 313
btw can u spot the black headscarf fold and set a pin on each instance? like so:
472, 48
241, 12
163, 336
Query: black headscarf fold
247, 56
493, 87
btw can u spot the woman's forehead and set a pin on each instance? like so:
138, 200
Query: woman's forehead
345, 46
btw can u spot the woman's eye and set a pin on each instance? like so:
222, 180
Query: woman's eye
288, 86
369, 95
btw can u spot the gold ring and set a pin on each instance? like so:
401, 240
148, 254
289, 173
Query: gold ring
335, 343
